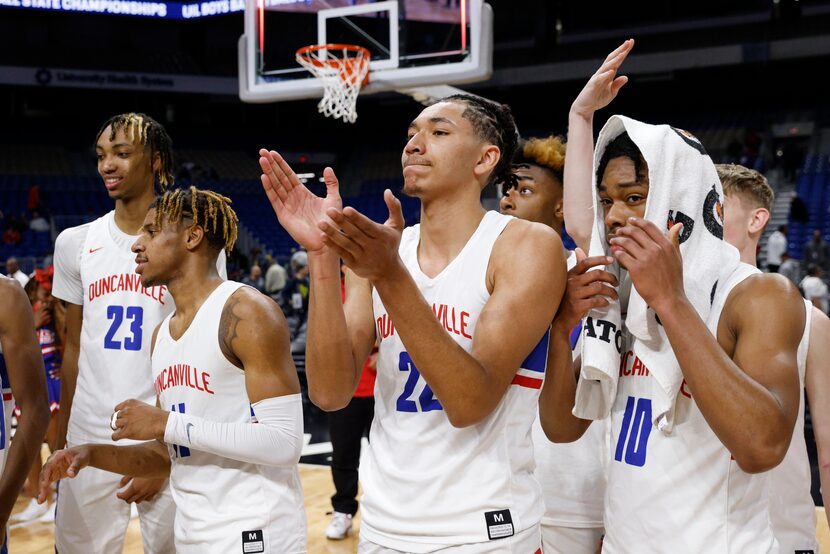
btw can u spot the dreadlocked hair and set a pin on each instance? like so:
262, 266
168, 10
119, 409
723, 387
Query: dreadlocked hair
493, 123
149, 133
210, 210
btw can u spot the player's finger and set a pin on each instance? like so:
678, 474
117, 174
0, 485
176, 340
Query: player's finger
362, 222
289, 174
336, 236
618, 84
629, 245
125, 481
276, 195
346, 225
627, 44
346, 255
587, 263
332, 183
276, 173
396, 220
650, 229
639, 236
674, 234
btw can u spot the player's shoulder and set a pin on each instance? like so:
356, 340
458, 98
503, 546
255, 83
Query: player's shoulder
10, 289
247, 303
523, 241
763, 297
73, 237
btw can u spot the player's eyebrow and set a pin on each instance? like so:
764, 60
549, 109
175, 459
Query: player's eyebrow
434, 120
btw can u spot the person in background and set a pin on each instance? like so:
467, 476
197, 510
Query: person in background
790, 268
255, 279
776, 246
13, 271
814, 288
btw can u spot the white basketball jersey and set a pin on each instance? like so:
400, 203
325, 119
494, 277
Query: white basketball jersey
680, 492
95, 268
5, 411
119, 316
792, 510
426, 483
572, 475
222, 505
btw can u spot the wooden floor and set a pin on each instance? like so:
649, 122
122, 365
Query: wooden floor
37, 538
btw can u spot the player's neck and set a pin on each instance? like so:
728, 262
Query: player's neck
130, 212
748, 252
446, 227
193, 284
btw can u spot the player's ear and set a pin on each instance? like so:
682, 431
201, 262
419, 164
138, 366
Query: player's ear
156, 162
194, 236
487, 161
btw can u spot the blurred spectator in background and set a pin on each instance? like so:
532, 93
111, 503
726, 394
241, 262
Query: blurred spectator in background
255, 279
275, 279
13, 271
11, 235
295, 300
815, 251
776, 246
815, 289
39, 223
790, 268
33, 200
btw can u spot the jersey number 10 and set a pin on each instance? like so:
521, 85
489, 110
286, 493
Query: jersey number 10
135, 314
636, 428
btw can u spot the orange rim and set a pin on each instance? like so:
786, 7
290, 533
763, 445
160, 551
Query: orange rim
356, 64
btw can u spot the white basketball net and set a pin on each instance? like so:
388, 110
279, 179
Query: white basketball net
342, 70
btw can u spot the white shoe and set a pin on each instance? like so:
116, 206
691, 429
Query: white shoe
32, 511
49, 515
339, 526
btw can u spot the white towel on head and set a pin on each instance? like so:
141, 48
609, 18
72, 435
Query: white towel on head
683, 188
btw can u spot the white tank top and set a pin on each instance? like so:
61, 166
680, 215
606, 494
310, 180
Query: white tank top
573, 475
792, 510
681, 492
428, 484
220, 501
6, 411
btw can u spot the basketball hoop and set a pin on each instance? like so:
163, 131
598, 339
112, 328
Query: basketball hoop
343, 69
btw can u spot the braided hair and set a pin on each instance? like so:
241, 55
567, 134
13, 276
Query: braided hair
493, 123
149, 133
208, 209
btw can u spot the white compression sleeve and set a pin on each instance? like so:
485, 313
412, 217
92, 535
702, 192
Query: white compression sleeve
276, 440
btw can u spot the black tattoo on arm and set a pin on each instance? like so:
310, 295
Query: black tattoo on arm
228, 329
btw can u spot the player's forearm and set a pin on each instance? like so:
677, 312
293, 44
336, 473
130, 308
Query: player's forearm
558, 394
330, 366
468, 393
734, 405
577, 198
275, 440
25, 447
147, 460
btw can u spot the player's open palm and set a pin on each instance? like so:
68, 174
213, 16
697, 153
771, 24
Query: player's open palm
298, 209
62, 463
603, 85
